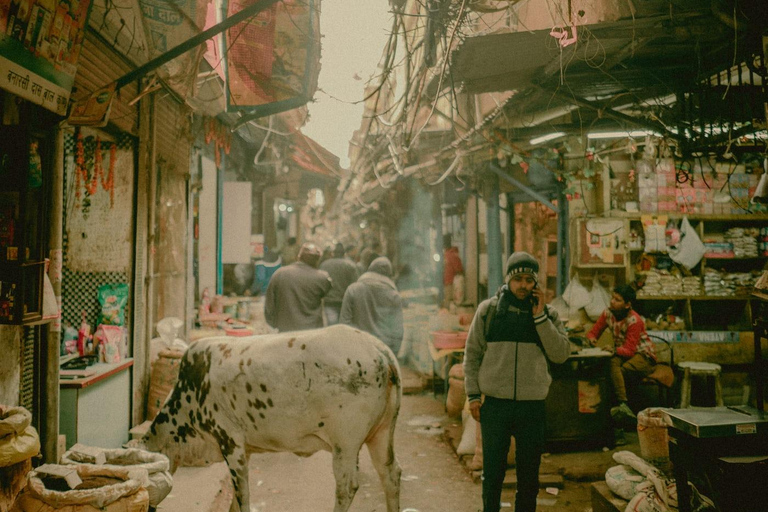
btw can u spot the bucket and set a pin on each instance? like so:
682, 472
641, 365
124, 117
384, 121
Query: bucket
652, 434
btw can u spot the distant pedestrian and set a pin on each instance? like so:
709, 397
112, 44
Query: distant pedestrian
511, 341
290, 252
294, 295
373, 304
452, 267
366, 257
343, 273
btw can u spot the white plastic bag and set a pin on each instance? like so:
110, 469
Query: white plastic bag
690, 250
623, 481
467, 443
575, 294
600, 300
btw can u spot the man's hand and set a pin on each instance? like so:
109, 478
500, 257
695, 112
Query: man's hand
474, 409
592, 341
538, 295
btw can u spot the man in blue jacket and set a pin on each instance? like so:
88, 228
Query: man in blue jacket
511, 339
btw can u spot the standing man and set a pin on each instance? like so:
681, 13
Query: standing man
634, 356
373, 304
294, 295
452, 267
510, 341
343, 273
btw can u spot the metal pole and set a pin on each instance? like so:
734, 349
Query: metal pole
522, 186
563, 256
511, 222
193, 41
495, 251
53, 336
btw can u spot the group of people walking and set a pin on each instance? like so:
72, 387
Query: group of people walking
309, 294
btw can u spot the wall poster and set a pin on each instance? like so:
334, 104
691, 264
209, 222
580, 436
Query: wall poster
40, 42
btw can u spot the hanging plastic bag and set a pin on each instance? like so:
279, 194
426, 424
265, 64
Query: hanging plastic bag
575, 294
689, 251
600, 300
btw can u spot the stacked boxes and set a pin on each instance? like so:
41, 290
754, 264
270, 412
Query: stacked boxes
665, 185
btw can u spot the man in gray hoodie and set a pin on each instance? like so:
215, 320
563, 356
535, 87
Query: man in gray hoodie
511, 339
374, 305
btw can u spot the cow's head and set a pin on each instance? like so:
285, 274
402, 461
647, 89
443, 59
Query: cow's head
181, 442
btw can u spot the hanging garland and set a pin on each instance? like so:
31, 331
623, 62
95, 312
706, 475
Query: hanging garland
219, 134
88, 178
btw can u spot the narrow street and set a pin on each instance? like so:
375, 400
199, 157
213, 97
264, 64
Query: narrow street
433, 479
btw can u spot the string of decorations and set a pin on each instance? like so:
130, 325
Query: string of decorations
88, 177
220, 135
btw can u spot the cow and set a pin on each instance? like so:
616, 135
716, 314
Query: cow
325, 389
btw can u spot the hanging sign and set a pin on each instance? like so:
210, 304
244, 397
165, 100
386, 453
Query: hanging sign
40, 42
167, 24
93, 110
272, 60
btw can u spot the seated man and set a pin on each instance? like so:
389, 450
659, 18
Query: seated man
633, 354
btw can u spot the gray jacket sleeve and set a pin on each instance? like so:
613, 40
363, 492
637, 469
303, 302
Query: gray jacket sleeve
553, 337
346, 316
474, 352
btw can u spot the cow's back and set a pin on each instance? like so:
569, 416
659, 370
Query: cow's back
297, 391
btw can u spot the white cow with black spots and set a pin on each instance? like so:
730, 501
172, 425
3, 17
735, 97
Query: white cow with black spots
326, 389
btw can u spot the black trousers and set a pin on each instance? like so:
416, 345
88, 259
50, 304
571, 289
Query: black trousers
501, 419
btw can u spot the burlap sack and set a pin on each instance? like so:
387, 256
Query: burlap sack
454, 402
165, 373
102, 490
160, 481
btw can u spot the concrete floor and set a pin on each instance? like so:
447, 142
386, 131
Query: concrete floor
434, 478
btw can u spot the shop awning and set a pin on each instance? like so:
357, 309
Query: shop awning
606, 59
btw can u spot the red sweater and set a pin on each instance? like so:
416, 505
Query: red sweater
629, 336
451, 265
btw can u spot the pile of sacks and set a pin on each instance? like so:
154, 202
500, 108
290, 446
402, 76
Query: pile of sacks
744, 241
114, 480
646, 488
19, 442
642, 485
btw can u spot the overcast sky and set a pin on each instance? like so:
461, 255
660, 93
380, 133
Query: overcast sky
354, 35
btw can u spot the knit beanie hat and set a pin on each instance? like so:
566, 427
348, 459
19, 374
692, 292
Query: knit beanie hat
521, 262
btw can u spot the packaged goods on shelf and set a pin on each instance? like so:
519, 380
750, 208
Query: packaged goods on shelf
718, 250
744, 241
714, 284
729, 283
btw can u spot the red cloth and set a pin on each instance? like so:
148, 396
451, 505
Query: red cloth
629, 336
451, 265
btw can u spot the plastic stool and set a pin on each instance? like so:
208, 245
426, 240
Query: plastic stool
698, 369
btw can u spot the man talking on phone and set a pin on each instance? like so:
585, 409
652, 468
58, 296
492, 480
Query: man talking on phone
506, 375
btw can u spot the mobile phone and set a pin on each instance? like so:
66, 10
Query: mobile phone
534, 298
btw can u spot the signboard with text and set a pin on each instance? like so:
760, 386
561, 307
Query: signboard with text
40, 42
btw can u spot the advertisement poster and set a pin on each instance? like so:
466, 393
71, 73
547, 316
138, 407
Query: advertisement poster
40, 42
273, 57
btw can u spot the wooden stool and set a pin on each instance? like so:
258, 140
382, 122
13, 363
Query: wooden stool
699, 369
